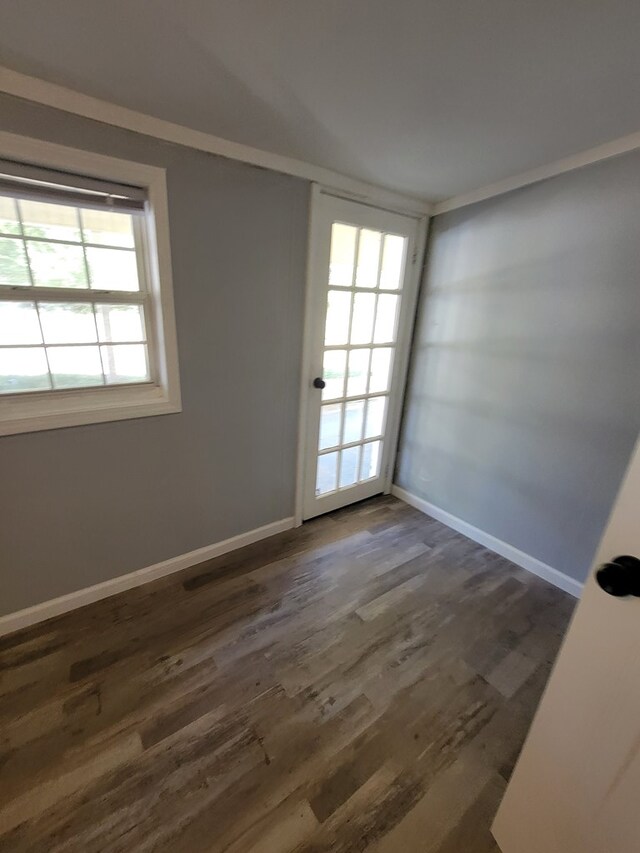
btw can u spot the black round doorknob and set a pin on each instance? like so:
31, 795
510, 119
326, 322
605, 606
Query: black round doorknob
620, 577
319, 382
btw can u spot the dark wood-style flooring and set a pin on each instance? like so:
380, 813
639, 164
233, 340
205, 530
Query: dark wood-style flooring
363, 683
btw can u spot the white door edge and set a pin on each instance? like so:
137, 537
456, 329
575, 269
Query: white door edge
306, 361
405, 354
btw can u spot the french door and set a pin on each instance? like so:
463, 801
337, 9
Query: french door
363, 287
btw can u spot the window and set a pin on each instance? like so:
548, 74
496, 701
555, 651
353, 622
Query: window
86, 321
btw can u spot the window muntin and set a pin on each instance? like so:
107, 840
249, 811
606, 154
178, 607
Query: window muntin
73, 292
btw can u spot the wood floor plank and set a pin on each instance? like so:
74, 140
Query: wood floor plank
437, 813
285, 830
61, 786
363, 682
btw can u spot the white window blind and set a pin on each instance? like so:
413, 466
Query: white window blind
21, 180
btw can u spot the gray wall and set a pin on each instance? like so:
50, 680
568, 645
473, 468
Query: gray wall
523, 404
82, 505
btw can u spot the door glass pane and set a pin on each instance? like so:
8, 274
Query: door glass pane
125, 363
113, 269
23, 370
333, 373
67, 323
392, 258
57, 265
326, 477
56, 221
368, 258
380, 369
343, 250
385, 329
364, 307
330, 424
358, 372
376, 409
19, 323
353, 421
349, 466
337, 324
75, 367
13, 262
370, 460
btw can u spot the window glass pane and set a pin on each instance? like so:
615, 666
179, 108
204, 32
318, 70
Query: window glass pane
120, 322
68, 343
337, 324
23, 370
75, 367
385, 318
343, 247
349, 466
330, 420
9, 223
392, 257
358, 372
375, 416
113, 269
368, 258
105, 226
380, 369
333, 372
13, 262
364, 308
327, 473
57, 265
353, 420
67, 323
370, 460
125, 363
19, 323
56, 221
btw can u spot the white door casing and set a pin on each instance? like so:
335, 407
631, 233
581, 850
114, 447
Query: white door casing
576, 786
363, 277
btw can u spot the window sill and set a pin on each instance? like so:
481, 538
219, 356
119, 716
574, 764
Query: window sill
58, 409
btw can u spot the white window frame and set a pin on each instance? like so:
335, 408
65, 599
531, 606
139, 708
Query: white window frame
33, 411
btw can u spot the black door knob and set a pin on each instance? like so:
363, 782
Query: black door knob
319, 382
620, 577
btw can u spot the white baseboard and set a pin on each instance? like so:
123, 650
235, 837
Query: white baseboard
525, 561
56, 606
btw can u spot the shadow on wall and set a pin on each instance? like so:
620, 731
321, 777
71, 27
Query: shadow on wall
522, 407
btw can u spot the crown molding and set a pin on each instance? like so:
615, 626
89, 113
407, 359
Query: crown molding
614, 148
70, 101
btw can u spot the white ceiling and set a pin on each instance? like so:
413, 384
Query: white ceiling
429, 97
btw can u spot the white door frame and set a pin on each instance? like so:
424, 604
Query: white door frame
414, 274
